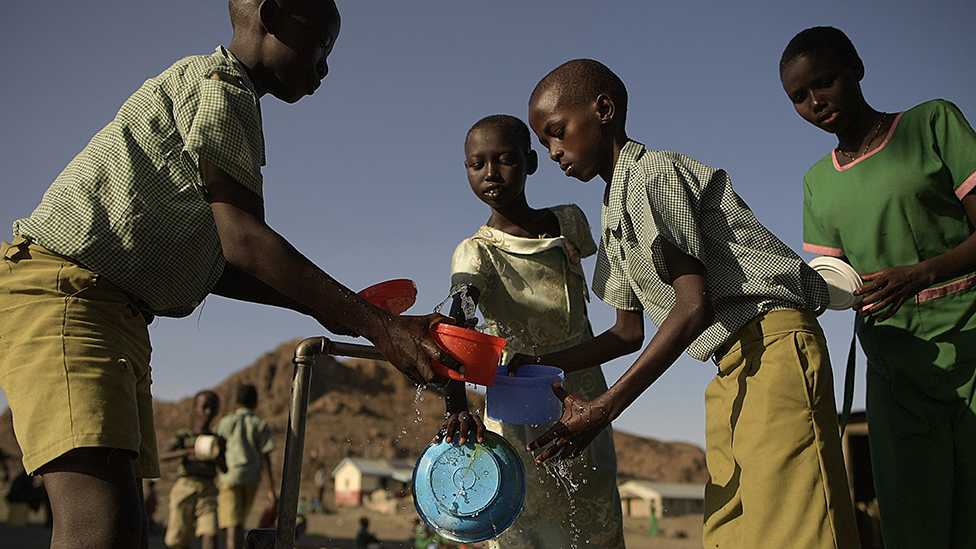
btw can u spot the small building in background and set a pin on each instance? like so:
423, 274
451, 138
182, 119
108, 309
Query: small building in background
639, 497
356, 479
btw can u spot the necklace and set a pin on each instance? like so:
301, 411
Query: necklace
868, 146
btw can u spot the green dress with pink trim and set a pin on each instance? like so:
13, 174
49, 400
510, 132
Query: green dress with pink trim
899, 205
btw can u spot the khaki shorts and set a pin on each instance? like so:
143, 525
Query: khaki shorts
192, 510
74, 360
777, 474
233, 503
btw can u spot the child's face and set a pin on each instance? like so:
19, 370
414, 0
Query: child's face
295, 62
576, 138
824, 92
206, 407
496, 166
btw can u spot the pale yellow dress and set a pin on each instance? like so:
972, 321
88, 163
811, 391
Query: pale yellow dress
533, 293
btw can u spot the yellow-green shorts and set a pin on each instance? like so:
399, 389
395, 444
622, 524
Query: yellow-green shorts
74, 360
776, 468
233, 503
192, 511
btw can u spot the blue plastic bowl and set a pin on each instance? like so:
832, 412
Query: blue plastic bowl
526, 399
472, 492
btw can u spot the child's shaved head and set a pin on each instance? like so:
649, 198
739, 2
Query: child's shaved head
517, 131
820, 40
580, 81
243, 11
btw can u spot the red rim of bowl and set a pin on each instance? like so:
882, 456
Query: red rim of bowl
393, 296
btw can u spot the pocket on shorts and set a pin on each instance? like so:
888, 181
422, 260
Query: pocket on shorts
73, 280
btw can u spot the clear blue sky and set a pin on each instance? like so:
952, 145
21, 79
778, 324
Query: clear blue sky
366, 176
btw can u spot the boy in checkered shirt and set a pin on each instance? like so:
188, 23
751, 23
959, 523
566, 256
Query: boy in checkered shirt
163, 207
679, 245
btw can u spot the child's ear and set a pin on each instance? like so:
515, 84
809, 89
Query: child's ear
858, 68
268, 11
605, 108
531, 162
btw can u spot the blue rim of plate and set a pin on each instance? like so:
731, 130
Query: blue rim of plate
472, 492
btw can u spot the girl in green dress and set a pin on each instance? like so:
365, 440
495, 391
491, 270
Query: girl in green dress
895, 199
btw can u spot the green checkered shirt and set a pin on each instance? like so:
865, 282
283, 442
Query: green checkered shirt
748, 270
132, 207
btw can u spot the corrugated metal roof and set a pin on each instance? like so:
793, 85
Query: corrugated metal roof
672, 490
400, 469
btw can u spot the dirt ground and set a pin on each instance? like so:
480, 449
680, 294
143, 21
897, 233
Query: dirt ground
337, 530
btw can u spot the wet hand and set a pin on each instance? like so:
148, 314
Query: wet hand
581, 422
407, 344
517, 360
463, 425
885, 291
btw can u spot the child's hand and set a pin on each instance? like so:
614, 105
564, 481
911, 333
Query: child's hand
406, 342
461, 424
887, 290
582, 421
517, 360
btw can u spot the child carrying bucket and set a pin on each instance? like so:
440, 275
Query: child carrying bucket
522, 268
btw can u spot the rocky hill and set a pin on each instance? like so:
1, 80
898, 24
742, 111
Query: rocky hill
365, 408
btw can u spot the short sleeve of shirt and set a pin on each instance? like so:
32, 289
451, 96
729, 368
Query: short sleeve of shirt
266, 443
956, 143
223, 124
816, 238
470, 266
669, 209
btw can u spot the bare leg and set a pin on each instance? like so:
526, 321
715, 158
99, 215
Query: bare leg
96, 500
235, 537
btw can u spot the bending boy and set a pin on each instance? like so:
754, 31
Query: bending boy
163, 207
679, 244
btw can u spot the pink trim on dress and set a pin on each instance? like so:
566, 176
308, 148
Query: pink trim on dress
823, 250
950, 288
966, 186
891, 131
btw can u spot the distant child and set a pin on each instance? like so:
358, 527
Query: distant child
679, 244
364, 538
895, 198
163, 207
249, 443
523, 270
193, 498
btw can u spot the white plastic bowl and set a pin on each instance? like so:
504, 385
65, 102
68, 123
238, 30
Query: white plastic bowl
841, 280
206, 447
526, 399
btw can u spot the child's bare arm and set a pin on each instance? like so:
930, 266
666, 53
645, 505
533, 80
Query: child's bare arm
886, 290
256, 249
583, 420
624, 337
174, 454
457, 418
237, 284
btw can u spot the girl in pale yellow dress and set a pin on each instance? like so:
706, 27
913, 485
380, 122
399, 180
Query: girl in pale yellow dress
522, 269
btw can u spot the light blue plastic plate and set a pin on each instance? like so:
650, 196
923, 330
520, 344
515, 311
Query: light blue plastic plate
469, 493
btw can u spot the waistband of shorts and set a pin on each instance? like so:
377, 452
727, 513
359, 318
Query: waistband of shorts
21, 248
767, 324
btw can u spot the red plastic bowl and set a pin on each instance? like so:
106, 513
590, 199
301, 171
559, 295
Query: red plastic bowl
480, 353
393, 296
